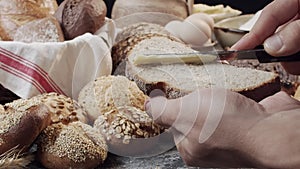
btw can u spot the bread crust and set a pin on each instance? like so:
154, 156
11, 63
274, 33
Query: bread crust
108, 93
23, 133
78, 17
128, 131
75, 145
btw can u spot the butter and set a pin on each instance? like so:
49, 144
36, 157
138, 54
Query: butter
191, 58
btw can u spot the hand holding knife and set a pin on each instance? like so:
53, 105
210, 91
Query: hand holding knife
211, 56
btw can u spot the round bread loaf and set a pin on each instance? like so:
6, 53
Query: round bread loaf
78, 17
108, 93
21, 123
128, 131
63, 109
75, 145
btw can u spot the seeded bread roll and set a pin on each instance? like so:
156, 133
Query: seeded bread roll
78, 17
128, 131
40, 30
177, 80
75, 145
62, 108
108, 93
21, 123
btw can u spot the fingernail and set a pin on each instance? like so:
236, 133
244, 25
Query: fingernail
147, 106
273, 43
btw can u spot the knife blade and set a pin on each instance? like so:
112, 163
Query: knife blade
211, 56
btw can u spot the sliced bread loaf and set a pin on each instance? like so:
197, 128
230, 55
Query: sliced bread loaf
180, 79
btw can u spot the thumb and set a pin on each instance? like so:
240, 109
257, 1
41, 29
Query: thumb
285, 41
162, 110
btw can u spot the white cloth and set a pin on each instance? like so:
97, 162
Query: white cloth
28, 69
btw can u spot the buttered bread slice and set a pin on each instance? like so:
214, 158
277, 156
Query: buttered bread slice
179, 79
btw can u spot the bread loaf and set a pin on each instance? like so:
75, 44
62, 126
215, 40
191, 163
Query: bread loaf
40, 30
21, 123
16, 13
23, 7
78, 17
129, 36
62, 108
75, 146
129, 131
126, 7
108, 93
177, 80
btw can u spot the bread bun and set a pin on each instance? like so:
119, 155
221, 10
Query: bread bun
40, 30
63, 109
79, 17
21, 123
75, 145
108, 93
126, 7
128, 131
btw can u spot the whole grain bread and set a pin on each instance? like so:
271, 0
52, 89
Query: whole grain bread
128, 131
177, 80
131, 35
108, 93
75, 145
21, 123
78, 17
62, 108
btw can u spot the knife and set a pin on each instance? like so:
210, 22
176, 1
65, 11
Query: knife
211, 56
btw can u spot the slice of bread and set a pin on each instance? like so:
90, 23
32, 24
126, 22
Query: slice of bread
177, 80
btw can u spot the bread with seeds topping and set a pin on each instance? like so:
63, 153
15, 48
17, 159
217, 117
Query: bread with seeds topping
108, 93
128, 131
76, 145
21, 123
62, 108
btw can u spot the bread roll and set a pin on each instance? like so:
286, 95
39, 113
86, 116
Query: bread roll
79, 17
40, 30
75, 145
128, 131
21, 123
62, 108
126, 7
107, 93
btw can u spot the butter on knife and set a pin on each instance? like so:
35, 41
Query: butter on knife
192, 58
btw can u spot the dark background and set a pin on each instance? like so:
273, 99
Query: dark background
246, 6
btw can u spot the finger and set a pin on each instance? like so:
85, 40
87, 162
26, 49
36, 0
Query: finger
272, 16
281, 101
162, 110
284, 42
179, 113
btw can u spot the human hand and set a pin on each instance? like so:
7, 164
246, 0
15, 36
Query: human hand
278, 29
212, 131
